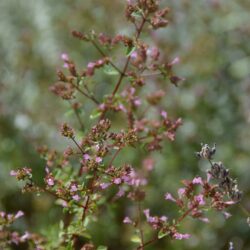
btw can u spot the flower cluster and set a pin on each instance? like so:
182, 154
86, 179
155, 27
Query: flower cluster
220, 174
193, 200
10, 237
94, 172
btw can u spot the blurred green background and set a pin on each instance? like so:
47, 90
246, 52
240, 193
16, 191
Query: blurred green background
211, 37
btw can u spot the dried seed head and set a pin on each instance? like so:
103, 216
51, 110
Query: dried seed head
206, 152
67, 131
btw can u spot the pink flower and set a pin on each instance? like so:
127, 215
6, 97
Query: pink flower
104, 185
13, 173
164, 114
19, 214
64, 57
73, 188
209, 176
137, 102
50, 181
2, 214
181, 192
122, 108
15, 238
134, 55
150, 219
163, 218
227, 215
229, 202
66, 65
176, 60
25, 237
148, 164
206, 220
127, 220
200, 199
76, 197
102, 106
120, 193
117, 181
197, 180
90, 68
179, 236
169, 196
64, 203
47, 170
170, 135
98, 159
146, 212
154, 53
86, 157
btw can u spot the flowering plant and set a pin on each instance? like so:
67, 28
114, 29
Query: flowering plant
90, 174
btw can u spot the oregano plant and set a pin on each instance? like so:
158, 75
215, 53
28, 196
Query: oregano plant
91, 173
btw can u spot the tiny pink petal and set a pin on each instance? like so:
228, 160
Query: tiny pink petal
127, 220
179, 236
206, 220
76, 197
169, 196
121, 192
13, 173
163, 218
64, 57
164, 114
200, 199
50, 182
176, 60
197, 180
104, 185
181, 192
19, 214
117, 181
86, 157
98, 159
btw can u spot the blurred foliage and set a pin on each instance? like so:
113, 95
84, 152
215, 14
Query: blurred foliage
212, 39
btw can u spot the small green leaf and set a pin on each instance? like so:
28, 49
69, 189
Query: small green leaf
61, 225
69, 113
137, 14
135, 239
86, 235
95, 114
130, 50
162, 234
102, 248
110, 70
86, 222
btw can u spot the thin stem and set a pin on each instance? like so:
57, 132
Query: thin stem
121, 77
77, 116
73, 139
151, 74
92, 98
85, 208
91, 186
104, 55
244, 210
79, 120
128, 59
140, 226
114, 157
58, 197
185, 215
148, 243
180, 219
123, 73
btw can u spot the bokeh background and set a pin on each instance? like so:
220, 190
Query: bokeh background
211, 37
